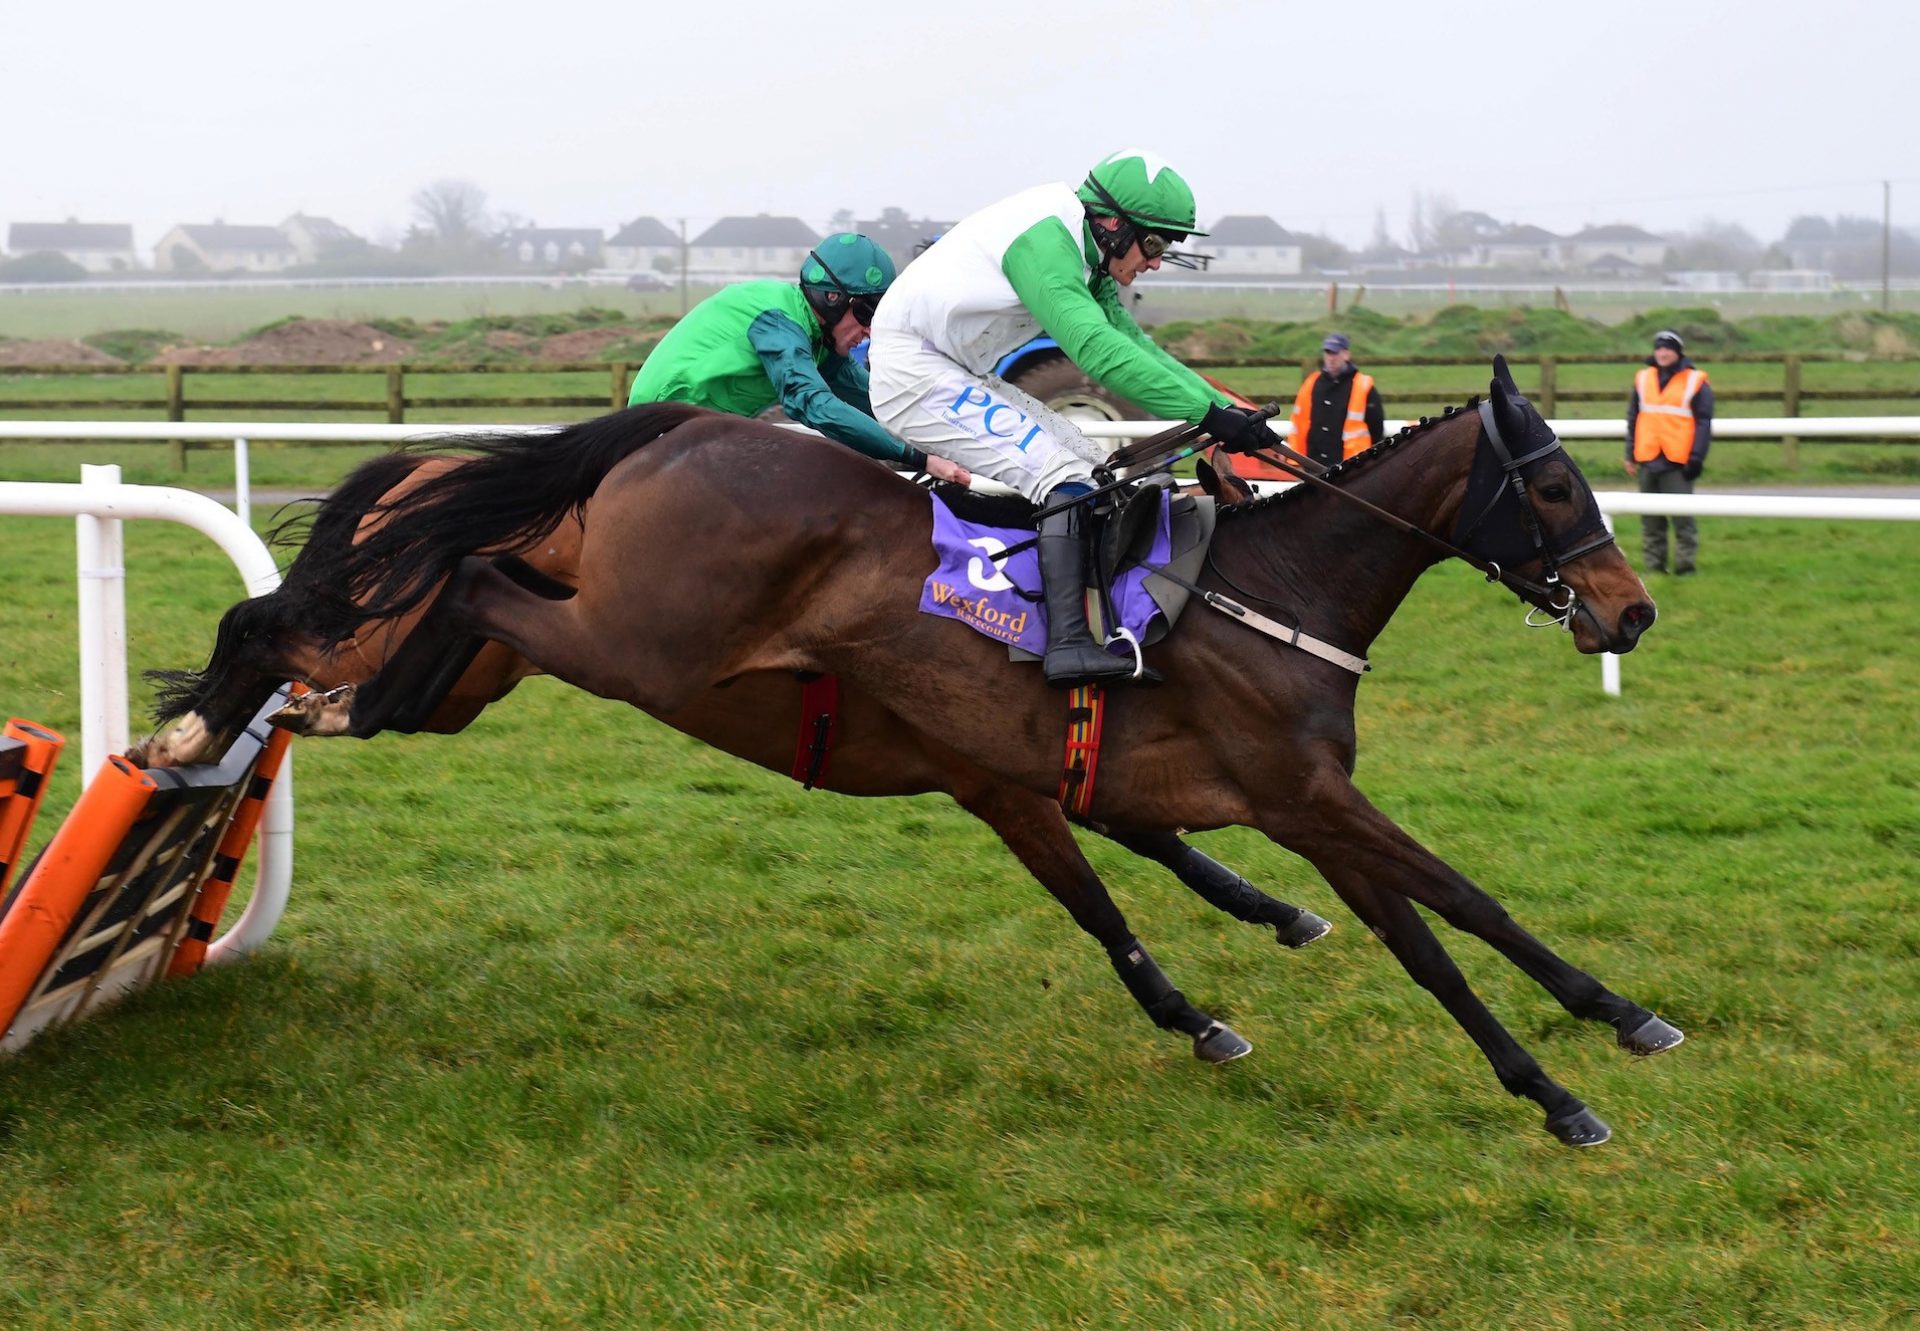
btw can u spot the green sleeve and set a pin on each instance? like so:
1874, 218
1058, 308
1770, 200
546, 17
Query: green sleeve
1044, 265
786, 352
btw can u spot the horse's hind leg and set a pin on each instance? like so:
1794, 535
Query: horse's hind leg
1036, 831
1220, 887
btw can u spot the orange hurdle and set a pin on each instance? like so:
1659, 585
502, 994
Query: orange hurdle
211, 901
37, 919
27, 754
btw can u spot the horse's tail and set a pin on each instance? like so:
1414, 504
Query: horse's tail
512, 492
251, 633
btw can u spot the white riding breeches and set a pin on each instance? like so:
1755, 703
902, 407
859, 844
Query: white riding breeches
979, 421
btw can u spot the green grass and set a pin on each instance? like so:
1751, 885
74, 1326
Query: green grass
575, 1023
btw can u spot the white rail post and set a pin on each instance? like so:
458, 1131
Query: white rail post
242, 481
103, 629
1609, 663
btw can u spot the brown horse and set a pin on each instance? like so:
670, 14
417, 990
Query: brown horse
703, 561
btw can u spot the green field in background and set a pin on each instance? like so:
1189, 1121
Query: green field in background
573, 1022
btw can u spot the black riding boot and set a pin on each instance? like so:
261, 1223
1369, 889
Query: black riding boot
1073, 657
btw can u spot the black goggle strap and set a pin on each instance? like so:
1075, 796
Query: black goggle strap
863, 306
1133, 227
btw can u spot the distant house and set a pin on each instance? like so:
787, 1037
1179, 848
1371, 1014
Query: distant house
553, 247
219, 248
1516, 246
759, 246
98, 247
314, 237
901, 235
1612, 265
645, 243
1641, 249
1250, 244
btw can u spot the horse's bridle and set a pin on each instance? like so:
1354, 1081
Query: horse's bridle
1550, 595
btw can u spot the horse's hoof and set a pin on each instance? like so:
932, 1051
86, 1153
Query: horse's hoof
1220, 1044
1306, 927
1579, 1127
1652, 1036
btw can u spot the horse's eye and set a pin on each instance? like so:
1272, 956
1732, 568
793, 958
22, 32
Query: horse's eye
1555, 494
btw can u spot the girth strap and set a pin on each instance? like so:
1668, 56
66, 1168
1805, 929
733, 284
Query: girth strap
1086, 710
819, 715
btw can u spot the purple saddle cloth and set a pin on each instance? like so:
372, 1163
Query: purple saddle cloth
1001, 597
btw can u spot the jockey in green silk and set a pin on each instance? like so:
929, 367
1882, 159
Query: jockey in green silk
751, 345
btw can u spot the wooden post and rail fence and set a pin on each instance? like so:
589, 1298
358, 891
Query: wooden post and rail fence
404, 396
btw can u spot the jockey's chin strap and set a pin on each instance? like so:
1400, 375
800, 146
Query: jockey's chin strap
1550, 596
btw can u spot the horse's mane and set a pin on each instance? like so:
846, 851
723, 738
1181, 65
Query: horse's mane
1405, 435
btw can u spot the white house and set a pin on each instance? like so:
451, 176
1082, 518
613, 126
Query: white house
1249, 244
1586, 247
312, 237
98, 247
554, 246
219, 248
1516, 246
646, 244
760, 246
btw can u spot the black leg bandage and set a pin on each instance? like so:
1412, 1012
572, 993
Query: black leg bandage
1226, 890
1151, 989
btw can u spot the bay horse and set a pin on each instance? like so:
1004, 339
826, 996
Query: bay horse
710, 552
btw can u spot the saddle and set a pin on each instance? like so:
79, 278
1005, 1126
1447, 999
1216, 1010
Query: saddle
1119, 539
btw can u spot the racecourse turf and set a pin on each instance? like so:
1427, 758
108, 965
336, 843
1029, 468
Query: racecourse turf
573, 1022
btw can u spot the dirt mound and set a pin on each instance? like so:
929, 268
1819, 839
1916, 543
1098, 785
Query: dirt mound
585, 343
52, 351
300, 342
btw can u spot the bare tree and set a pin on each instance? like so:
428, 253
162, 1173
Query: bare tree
455, 211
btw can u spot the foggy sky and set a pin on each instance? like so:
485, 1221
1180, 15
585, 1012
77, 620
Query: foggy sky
576, 113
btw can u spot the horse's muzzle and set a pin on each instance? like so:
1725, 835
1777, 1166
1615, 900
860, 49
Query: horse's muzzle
1634, 620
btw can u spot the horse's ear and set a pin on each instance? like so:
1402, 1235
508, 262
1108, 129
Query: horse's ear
1209, 479
1503, 384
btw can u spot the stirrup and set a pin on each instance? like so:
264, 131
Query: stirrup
1143, 674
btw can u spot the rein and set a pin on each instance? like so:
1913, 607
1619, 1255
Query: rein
1551, 596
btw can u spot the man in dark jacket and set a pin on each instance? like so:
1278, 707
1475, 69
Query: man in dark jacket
1669, 428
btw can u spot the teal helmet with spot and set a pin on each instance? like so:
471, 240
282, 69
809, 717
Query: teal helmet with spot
1142, 190
846, 271
848, 262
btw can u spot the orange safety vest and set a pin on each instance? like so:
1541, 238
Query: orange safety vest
1664, 426
1354, 437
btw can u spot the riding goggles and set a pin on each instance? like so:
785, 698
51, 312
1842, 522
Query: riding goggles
862, 305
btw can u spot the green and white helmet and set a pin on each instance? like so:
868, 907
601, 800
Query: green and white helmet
1139, 187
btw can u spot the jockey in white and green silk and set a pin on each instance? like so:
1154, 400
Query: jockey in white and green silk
1048, 260
753, 344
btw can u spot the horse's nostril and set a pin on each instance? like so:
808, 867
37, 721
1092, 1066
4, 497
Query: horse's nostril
1636, 618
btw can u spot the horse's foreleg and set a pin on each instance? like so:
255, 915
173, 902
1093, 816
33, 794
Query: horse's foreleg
1036, 831
1395, 860
1220, 887
1412, 943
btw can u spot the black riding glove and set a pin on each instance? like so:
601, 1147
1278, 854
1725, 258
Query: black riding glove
1691, 471
1236, 429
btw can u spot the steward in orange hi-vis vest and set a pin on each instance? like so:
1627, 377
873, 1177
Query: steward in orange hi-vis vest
1664, 426
1355, 437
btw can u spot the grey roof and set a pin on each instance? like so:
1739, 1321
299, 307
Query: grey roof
645, 231
1248, 229
28, 237
320, 228
762, 231
219, 237
560, 235
1520, 233
1617, 232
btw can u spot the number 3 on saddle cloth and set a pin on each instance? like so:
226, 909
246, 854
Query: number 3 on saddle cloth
1000, 597
999, 594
